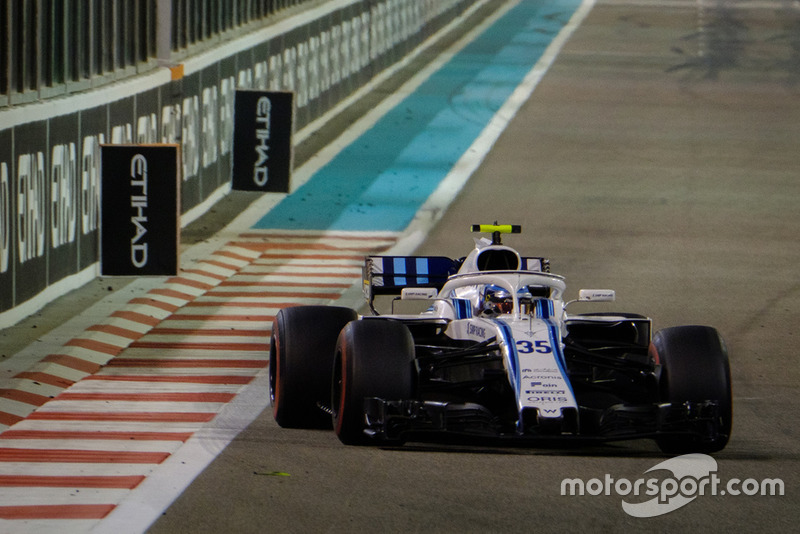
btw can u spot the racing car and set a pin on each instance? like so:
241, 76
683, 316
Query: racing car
493, 353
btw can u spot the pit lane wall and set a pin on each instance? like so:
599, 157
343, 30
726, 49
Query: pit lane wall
50, 150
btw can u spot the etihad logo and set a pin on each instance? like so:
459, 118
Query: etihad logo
263, 118
139, 205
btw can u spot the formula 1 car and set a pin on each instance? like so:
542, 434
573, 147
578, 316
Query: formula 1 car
494, 354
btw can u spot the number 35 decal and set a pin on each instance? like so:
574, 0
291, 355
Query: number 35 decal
540, 345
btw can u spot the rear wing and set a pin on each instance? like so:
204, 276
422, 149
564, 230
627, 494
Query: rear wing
389, 275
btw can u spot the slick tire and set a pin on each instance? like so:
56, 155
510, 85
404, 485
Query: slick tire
374, 358
301, 355
695, 367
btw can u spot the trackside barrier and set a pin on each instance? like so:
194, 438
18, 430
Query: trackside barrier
50, 150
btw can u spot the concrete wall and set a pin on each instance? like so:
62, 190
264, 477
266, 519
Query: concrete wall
49, 151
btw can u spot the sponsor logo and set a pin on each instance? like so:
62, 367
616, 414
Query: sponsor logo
139, 205
542, 384
547, 398
122, 134
190, 121
534, 378
263, 118
147, 129
208, 120
227, 93
477, 331
274, 71
90, 182
171, 124
5, 218
63, 195
31, 206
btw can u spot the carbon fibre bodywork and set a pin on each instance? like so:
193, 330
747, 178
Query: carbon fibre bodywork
494, 354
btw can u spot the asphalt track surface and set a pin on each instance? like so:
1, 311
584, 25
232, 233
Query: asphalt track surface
656, 157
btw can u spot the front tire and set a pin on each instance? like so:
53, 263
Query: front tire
374, 358
301, 361
694, 368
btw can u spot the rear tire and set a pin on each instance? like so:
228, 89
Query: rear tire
694, 367
374, 358
301, 361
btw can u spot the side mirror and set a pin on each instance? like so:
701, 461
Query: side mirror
597, 295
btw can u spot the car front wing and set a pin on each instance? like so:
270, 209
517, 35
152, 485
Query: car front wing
400, 420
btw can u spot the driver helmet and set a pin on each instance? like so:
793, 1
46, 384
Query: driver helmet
497, 300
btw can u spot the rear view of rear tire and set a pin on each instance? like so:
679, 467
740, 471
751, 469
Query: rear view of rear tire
301, 362
695, 368
374, 358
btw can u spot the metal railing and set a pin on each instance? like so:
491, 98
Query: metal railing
54, 47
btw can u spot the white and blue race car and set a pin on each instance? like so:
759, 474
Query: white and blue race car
493, 353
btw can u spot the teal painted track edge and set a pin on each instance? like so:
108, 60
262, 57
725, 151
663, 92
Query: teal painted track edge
380, 180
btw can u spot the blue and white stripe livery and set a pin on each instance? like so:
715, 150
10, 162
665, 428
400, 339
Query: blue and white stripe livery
532, 354
537, 364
